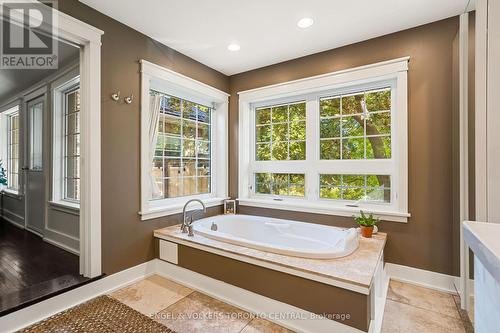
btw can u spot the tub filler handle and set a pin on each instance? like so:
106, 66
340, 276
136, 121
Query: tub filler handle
214, 227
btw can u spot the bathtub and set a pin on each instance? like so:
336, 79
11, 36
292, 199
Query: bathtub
286, 237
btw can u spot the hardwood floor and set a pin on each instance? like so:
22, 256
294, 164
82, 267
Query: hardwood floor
31, 269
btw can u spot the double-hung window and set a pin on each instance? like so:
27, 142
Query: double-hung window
66, 141
181, 163
71, 137
13, 149
333, 144
183, 142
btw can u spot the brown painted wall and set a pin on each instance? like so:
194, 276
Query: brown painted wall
426, 240
126, 240
314, 296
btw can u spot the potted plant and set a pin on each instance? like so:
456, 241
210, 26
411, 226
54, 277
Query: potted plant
366, 223
3, 177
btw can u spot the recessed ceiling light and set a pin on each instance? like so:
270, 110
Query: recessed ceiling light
233, 47
305, 22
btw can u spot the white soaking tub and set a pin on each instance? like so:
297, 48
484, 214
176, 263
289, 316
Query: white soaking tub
286, 237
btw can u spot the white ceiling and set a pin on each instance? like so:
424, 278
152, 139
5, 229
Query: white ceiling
267, 29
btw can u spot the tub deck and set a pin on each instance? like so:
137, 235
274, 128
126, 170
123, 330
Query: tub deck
355, 271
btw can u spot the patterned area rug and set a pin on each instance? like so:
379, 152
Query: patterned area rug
102, 314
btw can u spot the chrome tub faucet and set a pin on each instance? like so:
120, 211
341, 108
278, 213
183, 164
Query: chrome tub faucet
187, 221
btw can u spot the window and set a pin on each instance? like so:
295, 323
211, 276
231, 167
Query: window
66, 141
72, 144
288, 184
281, 132
181, 165
13, 150
374, 188
183, 142
36, 135
356, 126
335, 143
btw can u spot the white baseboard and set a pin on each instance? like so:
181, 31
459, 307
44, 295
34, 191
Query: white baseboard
39, 311
13, 218
61, 245
299, 320
62, 240
420, 277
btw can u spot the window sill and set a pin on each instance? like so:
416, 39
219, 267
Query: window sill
322, 208
66, 207
176, 208
12, 193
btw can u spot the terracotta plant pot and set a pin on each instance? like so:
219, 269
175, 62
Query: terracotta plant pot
366, 231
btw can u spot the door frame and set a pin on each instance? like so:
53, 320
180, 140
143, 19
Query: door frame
463, 286
88, 38
40, 93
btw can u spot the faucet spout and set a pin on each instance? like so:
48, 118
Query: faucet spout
187, 222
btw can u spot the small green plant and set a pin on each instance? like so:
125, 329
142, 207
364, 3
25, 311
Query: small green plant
3, 175
366, 221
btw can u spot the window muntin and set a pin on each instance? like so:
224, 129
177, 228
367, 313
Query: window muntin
36, 136
182, 161
356, 126
280, 132
356, 187
280, 184
13, 151
72, 145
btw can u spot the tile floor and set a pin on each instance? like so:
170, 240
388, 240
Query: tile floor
412, 309
408, 309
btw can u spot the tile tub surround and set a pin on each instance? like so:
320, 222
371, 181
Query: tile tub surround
357, 268
331, 287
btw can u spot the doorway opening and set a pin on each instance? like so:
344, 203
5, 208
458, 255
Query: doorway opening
49, 119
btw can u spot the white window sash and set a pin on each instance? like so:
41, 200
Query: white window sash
10, 154
154, 121
72, 88
63, 85
391, 74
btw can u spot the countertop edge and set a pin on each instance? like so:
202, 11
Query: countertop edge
489, 259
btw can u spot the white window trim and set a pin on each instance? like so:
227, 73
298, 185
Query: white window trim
392, 70
59, 87
14, 107
172, 83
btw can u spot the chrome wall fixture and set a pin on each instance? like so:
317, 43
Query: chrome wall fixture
115, 96
129, 99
